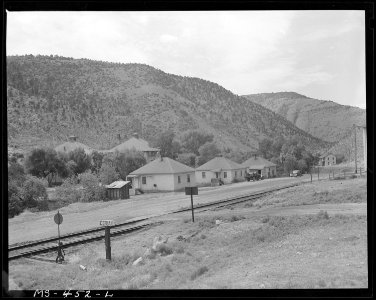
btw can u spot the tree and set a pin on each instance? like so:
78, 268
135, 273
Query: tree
82, 160
188, 159
193, 140
167, 145
68, 192
15, 203
91, 189
97, 159
32, 191
207, 152
16, 174
128, 162
265, 147
45, 163
290, 163
107, 174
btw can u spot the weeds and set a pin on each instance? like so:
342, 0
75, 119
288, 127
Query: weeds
199, 272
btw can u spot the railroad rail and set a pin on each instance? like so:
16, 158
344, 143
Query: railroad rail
95, 234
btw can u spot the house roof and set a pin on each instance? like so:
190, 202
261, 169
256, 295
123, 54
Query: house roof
117, 184
327, 154
257, 163
165, 166
70, 146
219, 163
137, 143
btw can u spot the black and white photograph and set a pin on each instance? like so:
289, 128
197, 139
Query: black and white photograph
186, 150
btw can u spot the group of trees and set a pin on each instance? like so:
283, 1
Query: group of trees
193, 148
289, 154
84, 176
24, 190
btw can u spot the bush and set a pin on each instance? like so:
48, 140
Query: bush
91, 191
68, 192
32, 191
15, 204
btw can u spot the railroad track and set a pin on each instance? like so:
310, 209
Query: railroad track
95, 234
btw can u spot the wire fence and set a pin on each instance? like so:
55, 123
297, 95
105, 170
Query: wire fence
335, 173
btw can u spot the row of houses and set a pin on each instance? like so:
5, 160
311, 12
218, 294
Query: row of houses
166, 174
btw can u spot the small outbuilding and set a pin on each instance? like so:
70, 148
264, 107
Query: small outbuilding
118, 190
261, 166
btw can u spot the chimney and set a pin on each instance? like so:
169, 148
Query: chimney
135, 135
72, 138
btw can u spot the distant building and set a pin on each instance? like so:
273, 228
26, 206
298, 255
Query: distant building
138, 144
163, 174
219, 168
261, 166
327, 160
118, 190
71, 145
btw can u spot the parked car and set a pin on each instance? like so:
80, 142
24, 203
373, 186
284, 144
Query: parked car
296, 173
253, 176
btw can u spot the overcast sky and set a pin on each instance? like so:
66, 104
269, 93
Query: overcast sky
320, 54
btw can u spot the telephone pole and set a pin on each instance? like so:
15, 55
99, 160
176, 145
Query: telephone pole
356, 166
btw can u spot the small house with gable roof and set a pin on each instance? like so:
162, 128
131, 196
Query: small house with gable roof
162, 174
219, 168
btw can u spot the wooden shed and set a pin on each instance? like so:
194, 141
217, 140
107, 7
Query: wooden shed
118, 190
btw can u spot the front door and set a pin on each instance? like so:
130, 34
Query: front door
216, 174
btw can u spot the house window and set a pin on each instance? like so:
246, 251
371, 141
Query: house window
224, 174
203, 175
188, 178
178, 179
143, 180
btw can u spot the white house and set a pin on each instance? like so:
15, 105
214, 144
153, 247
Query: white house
138, 144
162, 174
260, 165
327, 160
221, 168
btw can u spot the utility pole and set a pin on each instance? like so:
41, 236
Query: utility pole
356, 166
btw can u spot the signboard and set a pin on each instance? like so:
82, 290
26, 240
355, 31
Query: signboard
58, 218
192, 190
106, 223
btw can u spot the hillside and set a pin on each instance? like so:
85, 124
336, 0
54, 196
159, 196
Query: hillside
51, 97
326, 120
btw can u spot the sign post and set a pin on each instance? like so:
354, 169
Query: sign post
58, 218
193, 190
107, 237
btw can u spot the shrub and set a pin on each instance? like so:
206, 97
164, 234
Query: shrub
91, 191
68, 192
323, 214
199, 272
15, 206
32, 191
